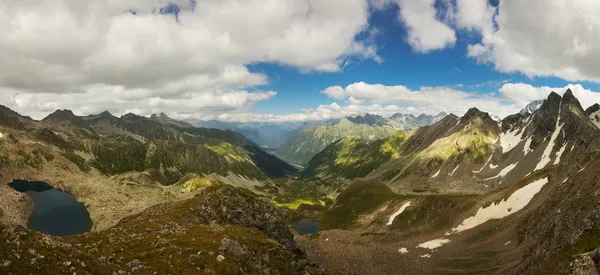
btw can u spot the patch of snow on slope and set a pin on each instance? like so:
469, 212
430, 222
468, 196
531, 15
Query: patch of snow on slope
433, 244
437, 173
504, 171
393, 216
425, 256
517, 201
485, 164
509, 140
456, 168
559, 154
454, 126
493, 166
526, 148
403, 250
546, 156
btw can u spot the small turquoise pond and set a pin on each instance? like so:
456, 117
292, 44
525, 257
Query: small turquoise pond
56, 213
306, 226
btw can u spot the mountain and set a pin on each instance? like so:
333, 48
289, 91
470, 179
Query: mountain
515, 197
300, 148
406, 154
369, 119
268, 135
455, 147
168, 148
465, 195
593, 112
409, 122
531, 107
164, 119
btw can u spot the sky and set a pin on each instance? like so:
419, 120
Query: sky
295, 60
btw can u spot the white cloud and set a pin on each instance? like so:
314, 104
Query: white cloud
426, 32
150, 61
523, 93
538, 37
429, 100
475, 15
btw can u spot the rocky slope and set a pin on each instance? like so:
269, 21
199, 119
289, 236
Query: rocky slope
222, 231
467, 196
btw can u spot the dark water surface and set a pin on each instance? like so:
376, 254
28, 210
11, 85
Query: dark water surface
56, 213
306, 226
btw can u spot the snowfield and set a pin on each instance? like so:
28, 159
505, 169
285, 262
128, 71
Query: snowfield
509, 140
393, 216
517, 201
504, 171
433, 244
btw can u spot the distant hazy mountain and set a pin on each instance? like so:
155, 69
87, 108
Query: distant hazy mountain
300, 148
409, 121
269, 135
307, 143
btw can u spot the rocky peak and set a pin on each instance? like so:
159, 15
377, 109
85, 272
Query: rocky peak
132, 117
531, 107
106, 114
10, 118
592, 109
369, 119
570, 105
474, 113
65, 117
64, 114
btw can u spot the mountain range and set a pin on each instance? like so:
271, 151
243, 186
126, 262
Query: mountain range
456, 195
302, 147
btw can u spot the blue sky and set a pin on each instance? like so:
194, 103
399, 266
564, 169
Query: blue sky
295, 60
401, 66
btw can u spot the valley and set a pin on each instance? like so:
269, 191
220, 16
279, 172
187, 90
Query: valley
457, 195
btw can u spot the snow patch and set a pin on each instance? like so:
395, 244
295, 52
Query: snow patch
453, 126
425, 256
403, 250
485, 164
565, 180
456, 168
546, 156
493, 166
509, 140
526, 148
1, 135
437, 173
504, 171
506, 243
433, 244
517, 201
393, 216
559, 154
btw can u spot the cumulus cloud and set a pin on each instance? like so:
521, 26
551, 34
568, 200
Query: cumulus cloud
537, 37
524, 93
148, 55
426, 32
